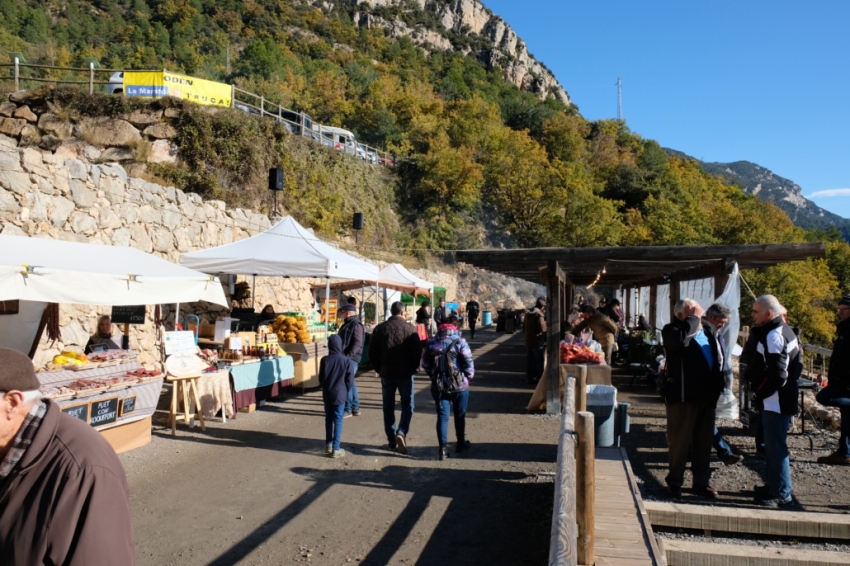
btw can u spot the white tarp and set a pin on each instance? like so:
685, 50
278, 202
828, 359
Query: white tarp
285, 249
397, 272
18, 331
55, 271
727, 406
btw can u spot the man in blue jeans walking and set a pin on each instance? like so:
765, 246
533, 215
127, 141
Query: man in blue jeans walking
837, 392
774, 363
353, 335
395, 352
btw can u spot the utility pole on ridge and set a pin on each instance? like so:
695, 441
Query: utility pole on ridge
619, 99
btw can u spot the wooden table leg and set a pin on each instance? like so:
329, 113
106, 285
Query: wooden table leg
185, 402
172, 416
197, 403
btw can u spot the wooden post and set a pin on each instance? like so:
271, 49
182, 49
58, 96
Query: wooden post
653, 307
674, 297
585, 486
581, 393
262, 106
17, 75
125, 342
91, 77
554, 277
563, 535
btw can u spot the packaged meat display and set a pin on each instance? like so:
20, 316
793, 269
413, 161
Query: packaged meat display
577, 354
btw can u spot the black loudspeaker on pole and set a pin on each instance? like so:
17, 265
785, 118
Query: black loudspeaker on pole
358, 220
276, 179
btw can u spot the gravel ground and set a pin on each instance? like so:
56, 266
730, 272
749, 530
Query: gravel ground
757, 540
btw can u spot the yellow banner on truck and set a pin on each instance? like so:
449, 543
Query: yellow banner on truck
162, 83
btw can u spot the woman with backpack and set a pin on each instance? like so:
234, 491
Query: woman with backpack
447, 359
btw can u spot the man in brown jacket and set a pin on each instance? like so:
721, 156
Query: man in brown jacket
534, 329
63, 493
604, 329
395, 352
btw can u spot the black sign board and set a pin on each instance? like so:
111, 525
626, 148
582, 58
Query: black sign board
104, 411
132, 314
128, 405
78, 411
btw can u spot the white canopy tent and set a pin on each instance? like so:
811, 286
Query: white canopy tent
286, 249
37, 271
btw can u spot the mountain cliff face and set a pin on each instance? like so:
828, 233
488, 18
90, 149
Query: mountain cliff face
784, 193
459, 25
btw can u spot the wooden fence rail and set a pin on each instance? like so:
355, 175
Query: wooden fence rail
563, 539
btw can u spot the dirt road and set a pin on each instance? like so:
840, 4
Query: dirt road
260, 490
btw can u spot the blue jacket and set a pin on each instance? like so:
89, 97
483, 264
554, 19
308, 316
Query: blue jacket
336, 374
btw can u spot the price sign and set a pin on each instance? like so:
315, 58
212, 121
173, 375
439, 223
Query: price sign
133, 314
78, 411
180, 341
128, 405
104, 412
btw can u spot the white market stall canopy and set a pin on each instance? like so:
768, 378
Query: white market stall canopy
55, 271
394, 277
286, 249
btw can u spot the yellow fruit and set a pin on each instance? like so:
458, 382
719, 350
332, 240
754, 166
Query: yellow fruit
60, 360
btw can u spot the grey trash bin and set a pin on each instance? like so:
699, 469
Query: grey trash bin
602, 402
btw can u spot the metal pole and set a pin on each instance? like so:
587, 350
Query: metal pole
232, 95
327, 307
177, 316
17, 75
91, 78
253, 291
262, 106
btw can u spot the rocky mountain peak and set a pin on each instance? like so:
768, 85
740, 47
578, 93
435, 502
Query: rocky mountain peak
497, 45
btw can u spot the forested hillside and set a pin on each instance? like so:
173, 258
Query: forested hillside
482, 161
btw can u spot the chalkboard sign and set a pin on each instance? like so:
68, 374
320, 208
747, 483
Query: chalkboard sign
104, 411
128, 314
78, 411
128, 405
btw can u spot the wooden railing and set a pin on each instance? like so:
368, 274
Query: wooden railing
571, 539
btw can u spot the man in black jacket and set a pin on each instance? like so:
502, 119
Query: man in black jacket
395, 352
693, 384
774, 363
473, 311
837, 392
353, 336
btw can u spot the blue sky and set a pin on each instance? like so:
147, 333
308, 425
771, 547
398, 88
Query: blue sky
755, 80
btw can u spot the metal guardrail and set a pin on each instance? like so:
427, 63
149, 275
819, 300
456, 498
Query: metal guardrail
316, 132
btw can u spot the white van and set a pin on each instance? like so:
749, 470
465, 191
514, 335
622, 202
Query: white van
338, 138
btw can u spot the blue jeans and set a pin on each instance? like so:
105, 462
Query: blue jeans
405, 391
333, 424
352, 402
831, 396
721, 446
534, 363
776, 453
451, 402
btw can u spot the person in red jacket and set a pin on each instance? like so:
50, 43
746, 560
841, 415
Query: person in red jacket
63, 493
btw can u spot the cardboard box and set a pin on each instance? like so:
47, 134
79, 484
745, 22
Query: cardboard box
248, 338
207, 330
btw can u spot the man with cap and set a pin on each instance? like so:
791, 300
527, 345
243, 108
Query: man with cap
63, 493
837, 392
353, 337
534, 330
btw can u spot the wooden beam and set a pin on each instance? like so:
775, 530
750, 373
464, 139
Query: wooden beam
653, 307
689, 553
675, 291
585, 486
757, 521
563, 536
553, 338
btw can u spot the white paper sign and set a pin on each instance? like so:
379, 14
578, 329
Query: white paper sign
235, 343
180, 341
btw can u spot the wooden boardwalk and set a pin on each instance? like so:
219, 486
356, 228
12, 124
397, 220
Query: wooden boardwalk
623, 534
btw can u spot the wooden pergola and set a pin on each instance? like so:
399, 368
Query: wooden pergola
561, 269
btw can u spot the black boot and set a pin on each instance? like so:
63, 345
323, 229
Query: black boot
444, 453
462, 445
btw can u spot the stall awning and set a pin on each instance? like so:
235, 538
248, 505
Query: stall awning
55, 271
394, 277
285, 250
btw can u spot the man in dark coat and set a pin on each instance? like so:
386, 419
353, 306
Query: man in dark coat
441, 313
693, 384
534, 334
353, 336
837, 391
473, 311
773, 357
336, 376
63, 493
395, 352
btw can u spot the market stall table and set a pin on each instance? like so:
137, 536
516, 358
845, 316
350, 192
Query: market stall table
216, 395
306, 358
596, 374
257, 381
136, 403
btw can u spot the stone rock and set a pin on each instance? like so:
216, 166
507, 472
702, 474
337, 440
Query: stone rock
11, 230
25, 113
10, 160
219, 204
149, 215
121, 237
188, 209
38, 212
61, 210
53, 124
108, 220
60, 180
75, 149
162, 151
15, 181
161, 131
22, 96
113, 188
162, 240
173, 112
7, 109
128, 212
117, 154
31, 158
12, 126
171, 219
181, 196
48, 142
83, 196
110, 132
140, 236
8, 205
114, 170
76, 168
181, 238
74, 334
142, 118
44, 185
82, 223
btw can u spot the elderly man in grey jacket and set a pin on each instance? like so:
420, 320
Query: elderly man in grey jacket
63, 493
